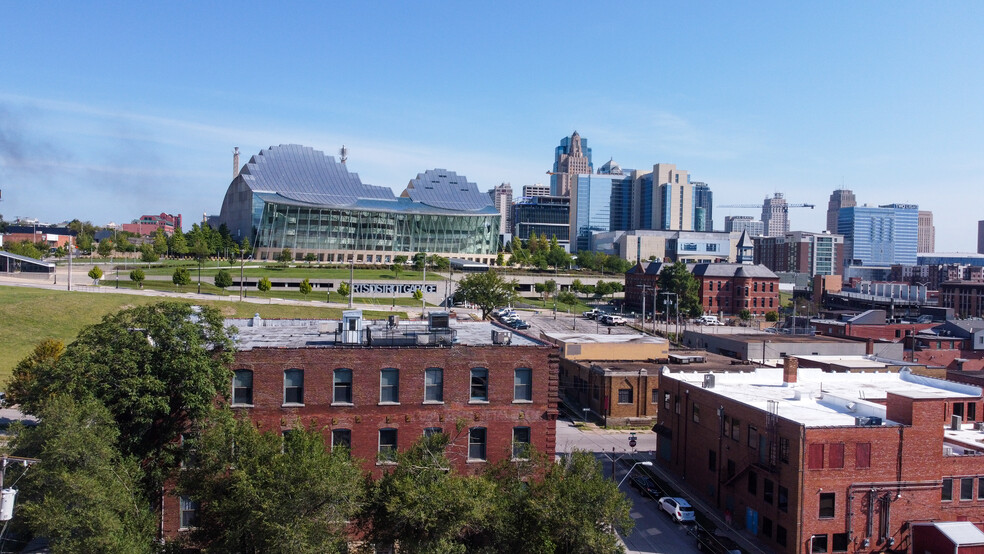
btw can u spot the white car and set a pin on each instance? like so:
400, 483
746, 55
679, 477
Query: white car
709, 320
678, 508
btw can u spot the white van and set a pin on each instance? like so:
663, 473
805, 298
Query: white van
709, 320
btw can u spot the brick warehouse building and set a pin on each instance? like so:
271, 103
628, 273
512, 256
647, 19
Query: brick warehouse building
725, 289
827, 462
377, 387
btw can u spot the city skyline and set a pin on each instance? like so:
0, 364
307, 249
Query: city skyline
107, 113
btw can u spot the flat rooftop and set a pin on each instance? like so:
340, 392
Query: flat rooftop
757, 338
595, 338
315, 333
821, 399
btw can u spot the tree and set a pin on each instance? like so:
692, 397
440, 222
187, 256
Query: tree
401, 259
264, 284
744, 314
138, 276
223, 279
567, 297
500, 259
577, 286
549, 286
310, 257
486, 290
84, 496
772, 316
147, 253
343, 289
179, 245
440, 263
181, 277
676, 278
419, 259
160, 242
271, 493
84, 242
285, 256
95, 273
418, 295
158, 369
45, 353
105, 248
305, 287
397, 269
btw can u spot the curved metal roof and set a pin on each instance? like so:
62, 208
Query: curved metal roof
446, 189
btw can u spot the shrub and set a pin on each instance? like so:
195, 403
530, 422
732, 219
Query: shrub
181, 277
264, 284
223, 279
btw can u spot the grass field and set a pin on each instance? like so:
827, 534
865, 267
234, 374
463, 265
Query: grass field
30, 315
300, 272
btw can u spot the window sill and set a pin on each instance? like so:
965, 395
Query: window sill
388, 404
519, 459
522, 402
475, 461
342, 404
240, 405
434, 402
386, 463
292, 405
478, 401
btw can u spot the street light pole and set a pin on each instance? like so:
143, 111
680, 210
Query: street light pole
647, 464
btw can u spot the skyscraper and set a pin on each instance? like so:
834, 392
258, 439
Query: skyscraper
703, 207
502, 199
775, 215
840, 198
572, 157
738, 223
880, 236
530, 191
927, 232
980, 237
663, 199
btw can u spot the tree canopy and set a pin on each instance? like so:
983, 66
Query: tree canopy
676, 278
486, 290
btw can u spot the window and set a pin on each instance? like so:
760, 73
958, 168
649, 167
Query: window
624, 396
666, 400
479, 384
735, 429
389, 386
387, 445
814, 457
676, 403
753, 436
971, 411
521, 443
727, 426
190, 459
712, 460
431, 431
189, 513
294, 386
826, 504
242, 387
837, 455
476, 444
818, 544
523, 385
783, 498
342, 386
731, 468
695, 409
655, 396
967, 488
752, 483
862, 455
980, 488
341, 438
433, 384
780, 535
784, 449
768, 490
947, 491
767, 527
839, 542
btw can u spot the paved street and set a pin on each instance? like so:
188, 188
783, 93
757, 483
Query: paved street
654, 532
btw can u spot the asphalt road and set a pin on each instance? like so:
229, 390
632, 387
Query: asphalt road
654, 531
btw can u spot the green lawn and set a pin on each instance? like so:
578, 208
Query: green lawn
299, 272
30, 315
549, 304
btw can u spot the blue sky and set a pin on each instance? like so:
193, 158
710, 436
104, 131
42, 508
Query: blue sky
112, 110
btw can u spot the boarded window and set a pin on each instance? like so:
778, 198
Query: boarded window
837, 455
862, 455
814, 458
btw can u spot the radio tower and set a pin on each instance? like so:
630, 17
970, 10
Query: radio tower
343, 153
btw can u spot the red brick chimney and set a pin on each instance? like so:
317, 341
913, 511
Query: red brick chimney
789, 367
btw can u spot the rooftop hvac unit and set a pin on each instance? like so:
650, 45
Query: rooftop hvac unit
423, 338
709, 381
948, 451
868, 421
979, 425
394, 320
955, 421
501, 337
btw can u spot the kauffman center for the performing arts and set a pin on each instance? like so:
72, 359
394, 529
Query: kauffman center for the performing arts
295, 197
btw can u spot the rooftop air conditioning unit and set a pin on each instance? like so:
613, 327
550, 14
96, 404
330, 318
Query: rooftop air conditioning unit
709, 381
979, 425
501, 337
948, 451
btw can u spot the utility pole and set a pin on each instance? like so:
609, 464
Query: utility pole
351, 281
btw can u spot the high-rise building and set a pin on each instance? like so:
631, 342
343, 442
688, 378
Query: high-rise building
739, 223
591, 205
840, 198
537, 189
703, 207
802, 252
502, 198
926, 232
663, 199
572, 157
775, 215
980, 237
544, 215
879, 236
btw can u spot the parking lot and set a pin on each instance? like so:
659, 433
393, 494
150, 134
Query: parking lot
548, 322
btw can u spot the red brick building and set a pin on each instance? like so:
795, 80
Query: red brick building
965, 297
149, 224
376, 388
826, 462
725, 289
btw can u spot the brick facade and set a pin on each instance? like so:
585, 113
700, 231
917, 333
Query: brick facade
724, 289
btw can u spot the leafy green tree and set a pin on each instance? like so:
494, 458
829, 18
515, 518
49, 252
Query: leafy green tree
123, 243
419, 259
772, 316
418, 295
181, 277
271, 493
440, 263
245, 247
95, 273
549, 286
397, 269
343, 289
158, 369
305, 287
486, 290
500, 259
401, 259
577, 286
138, 276
425, 505
223, 279
179, 244
45, 353
147, 253
84, 242
310, 257
105, 248
676, 278
285, 256
160, 242
744, 314
264, 284
84, 496
567, 297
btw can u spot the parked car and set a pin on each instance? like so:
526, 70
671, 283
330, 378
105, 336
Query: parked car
616, 320
715, 544
709, 320
518, 324
678, 508
646, 486
604, 318
591, 314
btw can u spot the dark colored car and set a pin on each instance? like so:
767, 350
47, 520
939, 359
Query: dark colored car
715, 544
646, 486
518, 324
